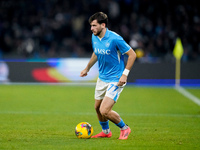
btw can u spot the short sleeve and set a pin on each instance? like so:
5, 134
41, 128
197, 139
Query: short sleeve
122, 45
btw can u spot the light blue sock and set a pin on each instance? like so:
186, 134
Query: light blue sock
104, 125
121, 124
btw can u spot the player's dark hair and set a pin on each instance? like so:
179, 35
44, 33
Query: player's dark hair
100, 17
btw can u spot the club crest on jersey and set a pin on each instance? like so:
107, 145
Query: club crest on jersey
102, 51
107, 44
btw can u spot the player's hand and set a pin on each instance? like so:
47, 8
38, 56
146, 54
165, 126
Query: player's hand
122, 80
83, 73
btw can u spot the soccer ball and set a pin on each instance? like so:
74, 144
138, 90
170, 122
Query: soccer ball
84, 130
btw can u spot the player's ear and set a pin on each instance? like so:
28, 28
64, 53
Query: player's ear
103, 25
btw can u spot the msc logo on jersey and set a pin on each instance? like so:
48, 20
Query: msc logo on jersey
102, 51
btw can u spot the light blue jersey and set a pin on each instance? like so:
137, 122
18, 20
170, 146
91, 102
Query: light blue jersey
109, 51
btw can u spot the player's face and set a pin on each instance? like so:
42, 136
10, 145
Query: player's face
96, 28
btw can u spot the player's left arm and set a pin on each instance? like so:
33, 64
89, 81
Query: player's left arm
131, 59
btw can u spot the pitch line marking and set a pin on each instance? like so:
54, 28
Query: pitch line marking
90, 113
188, 95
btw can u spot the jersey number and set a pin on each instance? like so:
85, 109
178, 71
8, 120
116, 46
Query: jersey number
113, 86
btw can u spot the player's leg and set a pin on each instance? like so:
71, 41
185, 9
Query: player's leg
106, 111
97, 107
104, 122
100, 91
111, 97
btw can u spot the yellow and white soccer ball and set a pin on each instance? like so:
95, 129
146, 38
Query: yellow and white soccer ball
84, 130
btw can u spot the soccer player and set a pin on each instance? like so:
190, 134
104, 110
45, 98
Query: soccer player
108, 50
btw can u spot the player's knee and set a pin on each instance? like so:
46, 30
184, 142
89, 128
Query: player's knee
104, 112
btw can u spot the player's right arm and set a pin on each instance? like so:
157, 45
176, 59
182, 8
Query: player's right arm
92, 61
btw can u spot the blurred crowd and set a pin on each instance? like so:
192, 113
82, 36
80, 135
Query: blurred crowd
60, 28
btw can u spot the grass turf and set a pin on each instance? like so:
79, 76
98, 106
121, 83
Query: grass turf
44, 117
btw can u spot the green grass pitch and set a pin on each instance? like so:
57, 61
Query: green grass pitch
44, 117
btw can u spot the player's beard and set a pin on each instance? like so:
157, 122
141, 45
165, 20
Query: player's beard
99, 32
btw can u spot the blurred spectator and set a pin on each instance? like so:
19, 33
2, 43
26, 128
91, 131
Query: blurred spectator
60, 28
